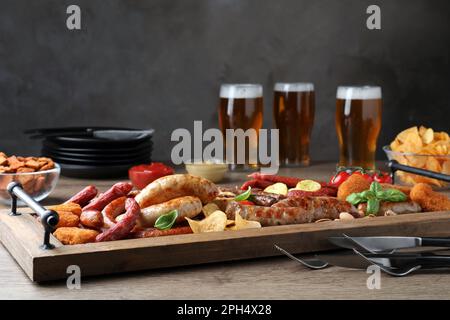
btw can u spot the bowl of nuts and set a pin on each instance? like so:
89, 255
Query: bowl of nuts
37, 175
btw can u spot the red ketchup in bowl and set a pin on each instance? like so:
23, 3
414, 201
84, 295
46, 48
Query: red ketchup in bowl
143, 174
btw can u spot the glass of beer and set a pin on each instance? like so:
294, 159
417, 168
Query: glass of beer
241, 107
358, 123
293, 110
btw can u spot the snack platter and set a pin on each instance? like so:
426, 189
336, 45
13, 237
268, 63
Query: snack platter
22, 236
161, 219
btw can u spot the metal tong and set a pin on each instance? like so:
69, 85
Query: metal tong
48, 218
394, 166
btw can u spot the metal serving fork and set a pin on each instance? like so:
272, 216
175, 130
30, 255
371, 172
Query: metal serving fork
312, 263
393, 271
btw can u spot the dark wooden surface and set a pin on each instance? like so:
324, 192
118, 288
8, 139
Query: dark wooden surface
273, 278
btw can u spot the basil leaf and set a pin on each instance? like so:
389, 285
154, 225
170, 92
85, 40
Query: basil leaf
244, 196
375, 187
395, 195
373, 205
355, 198
383, 195
167, 220
368, 194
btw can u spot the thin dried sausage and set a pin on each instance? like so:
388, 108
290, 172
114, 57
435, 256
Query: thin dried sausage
84, 196
116, 191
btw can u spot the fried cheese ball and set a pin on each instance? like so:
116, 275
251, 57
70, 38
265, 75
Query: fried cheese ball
67, 219
428, 199
72, 235
354, 184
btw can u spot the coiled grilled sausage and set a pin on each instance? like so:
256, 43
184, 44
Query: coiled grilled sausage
122, 228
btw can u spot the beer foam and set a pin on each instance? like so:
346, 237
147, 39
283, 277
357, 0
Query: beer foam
241, 91
294, 87
360, 93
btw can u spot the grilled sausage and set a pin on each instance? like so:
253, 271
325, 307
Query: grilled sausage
122, 228
92, 219
84, 196
116, 191
153, 232
324, 191
112, 211
261, 184
403, 207
175, 186
292, 210
187, 207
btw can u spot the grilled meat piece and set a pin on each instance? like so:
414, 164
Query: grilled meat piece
265, 199
403, 207
292, 210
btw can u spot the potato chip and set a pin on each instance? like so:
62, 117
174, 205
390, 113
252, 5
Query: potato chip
441, 149
411, 140
432, 164
308, 185
416, 161
401, 159
429, 149
443, 136
277, 188
446, 167
194, 224
408, 134
395, 145
216, 221
210, 208
428, 136
241, 224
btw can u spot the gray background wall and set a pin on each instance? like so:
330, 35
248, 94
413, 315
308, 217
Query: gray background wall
159, 63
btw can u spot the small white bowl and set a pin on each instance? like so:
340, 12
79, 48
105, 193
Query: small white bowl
213, 171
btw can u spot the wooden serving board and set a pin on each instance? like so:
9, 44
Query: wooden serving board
22, 236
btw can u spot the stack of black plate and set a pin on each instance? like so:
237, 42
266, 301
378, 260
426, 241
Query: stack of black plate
86, 154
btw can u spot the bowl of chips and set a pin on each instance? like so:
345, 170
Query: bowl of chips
37, 175
422, 148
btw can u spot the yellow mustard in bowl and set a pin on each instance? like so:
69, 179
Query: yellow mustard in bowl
211, 170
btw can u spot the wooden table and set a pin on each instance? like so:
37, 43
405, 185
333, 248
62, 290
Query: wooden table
269, 278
